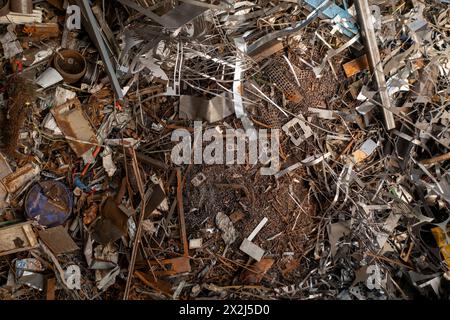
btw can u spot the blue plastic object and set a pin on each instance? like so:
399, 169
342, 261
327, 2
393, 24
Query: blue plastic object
80, 184
350, 28
49, 203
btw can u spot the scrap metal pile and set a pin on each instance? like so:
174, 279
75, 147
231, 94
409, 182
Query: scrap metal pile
96, 96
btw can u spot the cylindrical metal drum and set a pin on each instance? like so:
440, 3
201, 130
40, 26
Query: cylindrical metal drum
22, 6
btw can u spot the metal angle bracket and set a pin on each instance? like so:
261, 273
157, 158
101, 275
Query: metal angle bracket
93, 29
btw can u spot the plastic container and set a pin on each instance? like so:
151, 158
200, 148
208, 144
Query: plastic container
49, 203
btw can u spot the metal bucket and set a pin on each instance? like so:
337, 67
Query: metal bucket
70, 64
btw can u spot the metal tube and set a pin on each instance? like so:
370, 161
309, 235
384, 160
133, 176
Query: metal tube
373, 57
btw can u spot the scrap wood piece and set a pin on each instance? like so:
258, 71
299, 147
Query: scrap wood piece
17, 238
4, 9
4, 171
22, 95
22, 18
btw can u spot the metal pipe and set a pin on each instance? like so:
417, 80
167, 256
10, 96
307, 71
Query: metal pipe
373, 57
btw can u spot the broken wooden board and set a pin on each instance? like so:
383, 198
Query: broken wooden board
58, 240
4, 171
22, 18
17, 238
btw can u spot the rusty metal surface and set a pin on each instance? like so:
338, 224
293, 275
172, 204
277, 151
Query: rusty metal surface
5, 9
13, 181
356, 65
58, 240
75, 126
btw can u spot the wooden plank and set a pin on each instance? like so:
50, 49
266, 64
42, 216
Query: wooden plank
22, 18
31, 236
17, 238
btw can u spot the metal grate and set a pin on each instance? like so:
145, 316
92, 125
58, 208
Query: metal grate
270, 116
281, 75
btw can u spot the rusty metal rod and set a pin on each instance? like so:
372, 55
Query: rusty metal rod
137, 237
181, 214
373, 57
